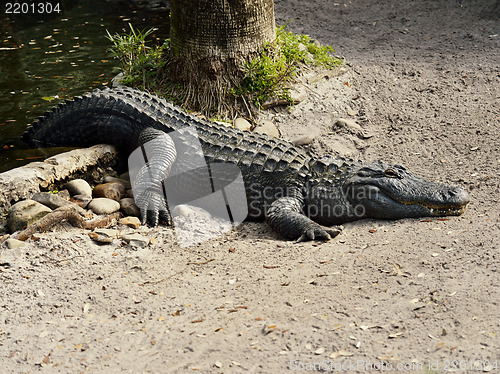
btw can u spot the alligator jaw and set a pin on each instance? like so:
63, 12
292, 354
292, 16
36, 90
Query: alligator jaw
445, 211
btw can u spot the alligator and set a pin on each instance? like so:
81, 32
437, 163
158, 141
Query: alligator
300, 195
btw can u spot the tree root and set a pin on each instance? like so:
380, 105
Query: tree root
70, 213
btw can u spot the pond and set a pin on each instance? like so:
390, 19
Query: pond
46, 59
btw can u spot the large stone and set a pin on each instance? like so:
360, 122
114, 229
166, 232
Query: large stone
303, 140
136, 240
24, 213
13, 243
21, 183
111, 190
242, 124
128, 207
78, 187
268, 128
103, 205
53, 201
133, 222
124, 182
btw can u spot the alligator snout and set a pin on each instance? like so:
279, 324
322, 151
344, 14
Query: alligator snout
455, 196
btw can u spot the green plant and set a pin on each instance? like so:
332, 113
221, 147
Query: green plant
270, 74
138, 61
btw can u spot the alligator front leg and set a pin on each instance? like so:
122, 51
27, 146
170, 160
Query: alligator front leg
285, 215
153, 160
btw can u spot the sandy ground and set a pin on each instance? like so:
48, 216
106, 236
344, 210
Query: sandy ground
403, 296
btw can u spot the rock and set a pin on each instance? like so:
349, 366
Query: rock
352, 127
128, 207
109, 179
124, 182
81, 200
24, 213
64, 194
225, 124
100, 238
22, 182
133, 222
125, 176
78, 187
136, 240
104, 235
302, 47
112, 191
184, 210
103, 205
13, 243
51, 200
112, 233
268, 128
242, 124
303, 140
348, 123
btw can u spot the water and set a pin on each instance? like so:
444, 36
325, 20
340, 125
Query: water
46, 59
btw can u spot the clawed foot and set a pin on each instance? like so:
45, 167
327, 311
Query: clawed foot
153, 207
319, 233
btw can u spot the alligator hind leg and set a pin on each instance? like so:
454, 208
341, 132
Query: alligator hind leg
285, 215
150, 165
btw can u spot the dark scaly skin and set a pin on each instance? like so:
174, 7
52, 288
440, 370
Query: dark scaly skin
296, 192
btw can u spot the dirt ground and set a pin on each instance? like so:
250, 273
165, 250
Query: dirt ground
413, 295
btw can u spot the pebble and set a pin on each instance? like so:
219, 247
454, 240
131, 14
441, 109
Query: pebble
319, 351
124, 182
64, 194
112, 233
113, 191
185, 210
24, 213
133, 222
128, 207
136, 240
242, 124
222, 123
81, 200
103, 205
349, 123
303, 140
302, 47
78, 187
268, 128
100, 237
13, 243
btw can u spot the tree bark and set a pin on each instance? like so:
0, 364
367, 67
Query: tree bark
209, 41
221, 28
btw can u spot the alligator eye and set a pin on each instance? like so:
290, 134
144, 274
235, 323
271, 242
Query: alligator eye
391, 173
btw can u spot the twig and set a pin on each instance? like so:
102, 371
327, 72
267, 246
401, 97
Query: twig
201, 263
66, 212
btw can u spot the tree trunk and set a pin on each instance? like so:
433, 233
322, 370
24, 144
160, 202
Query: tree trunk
209, 41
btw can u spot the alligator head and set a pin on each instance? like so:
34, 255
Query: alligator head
383, 191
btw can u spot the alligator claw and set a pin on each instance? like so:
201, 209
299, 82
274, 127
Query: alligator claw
152, 207
318, 233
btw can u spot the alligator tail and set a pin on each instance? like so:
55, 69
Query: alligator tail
90, 119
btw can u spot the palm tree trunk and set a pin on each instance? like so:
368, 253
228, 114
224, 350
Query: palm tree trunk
209, 40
